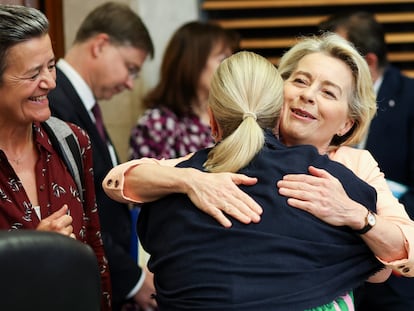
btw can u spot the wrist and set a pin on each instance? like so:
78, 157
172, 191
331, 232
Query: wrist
187, 180
356, 216
369, 221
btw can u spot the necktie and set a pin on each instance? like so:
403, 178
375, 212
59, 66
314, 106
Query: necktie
96, 110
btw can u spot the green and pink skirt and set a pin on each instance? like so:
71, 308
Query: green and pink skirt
342, 303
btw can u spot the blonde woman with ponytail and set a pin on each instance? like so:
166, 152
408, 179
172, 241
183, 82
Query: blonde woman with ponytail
245, 98
289, 260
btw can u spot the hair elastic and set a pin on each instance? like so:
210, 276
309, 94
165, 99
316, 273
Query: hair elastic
249, 114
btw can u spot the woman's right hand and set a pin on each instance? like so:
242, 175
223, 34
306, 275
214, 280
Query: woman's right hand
217, 195
59, 222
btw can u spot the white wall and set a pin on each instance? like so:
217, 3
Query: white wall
162, 18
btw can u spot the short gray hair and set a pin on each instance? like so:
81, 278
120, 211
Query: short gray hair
19, 24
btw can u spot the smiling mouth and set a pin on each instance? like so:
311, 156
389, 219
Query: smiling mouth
302, 113
38, 98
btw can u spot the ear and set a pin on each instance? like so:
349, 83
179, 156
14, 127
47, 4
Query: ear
346, 127
213, 125
98, 43
372, 61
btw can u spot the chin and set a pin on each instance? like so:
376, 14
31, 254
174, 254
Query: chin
43, 116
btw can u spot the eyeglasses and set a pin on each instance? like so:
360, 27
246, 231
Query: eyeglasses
133, 70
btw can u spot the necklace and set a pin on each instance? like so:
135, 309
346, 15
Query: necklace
19, 160
24, 151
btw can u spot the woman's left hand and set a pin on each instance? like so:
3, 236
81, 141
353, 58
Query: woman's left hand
322, 195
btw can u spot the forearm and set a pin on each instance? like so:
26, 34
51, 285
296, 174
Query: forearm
402, 261
393, 236
148, 182
386, 241
115, 184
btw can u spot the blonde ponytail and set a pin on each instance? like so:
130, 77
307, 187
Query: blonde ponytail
246, 96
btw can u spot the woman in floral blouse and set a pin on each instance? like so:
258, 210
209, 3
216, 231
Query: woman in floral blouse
176, 120
37, 191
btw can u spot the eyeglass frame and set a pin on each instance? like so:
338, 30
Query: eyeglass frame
133, 70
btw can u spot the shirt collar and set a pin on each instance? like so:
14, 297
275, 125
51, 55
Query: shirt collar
377, 84
78, 83
41, 138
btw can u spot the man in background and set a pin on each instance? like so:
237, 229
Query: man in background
109, 50
390, 140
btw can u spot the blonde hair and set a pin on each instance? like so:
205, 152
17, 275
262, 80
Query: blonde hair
246, 97
362, 106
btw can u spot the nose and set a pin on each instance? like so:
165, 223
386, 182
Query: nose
129, 83
48, 80
308, 95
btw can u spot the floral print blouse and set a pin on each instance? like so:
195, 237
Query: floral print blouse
56, 187
160, 133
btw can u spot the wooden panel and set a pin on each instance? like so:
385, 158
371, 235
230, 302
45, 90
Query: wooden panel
270, 27
409, 73
401, 56
253, 43
54, 11
270, 22
396, 17
392, 38
300, 21
263, 4
392, 57
256, 43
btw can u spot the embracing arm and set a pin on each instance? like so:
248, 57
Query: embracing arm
142, 180
146, 180
322, 195
390, 211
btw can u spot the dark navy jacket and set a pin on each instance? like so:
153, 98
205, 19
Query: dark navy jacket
290, 260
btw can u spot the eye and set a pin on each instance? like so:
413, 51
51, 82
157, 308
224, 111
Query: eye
34, 77
51, 67
329, 93
133, 72
299, 80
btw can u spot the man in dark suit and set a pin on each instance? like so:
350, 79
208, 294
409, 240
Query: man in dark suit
390, 140
109, 49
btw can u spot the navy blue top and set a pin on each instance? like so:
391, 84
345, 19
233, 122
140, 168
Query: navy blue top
290, 260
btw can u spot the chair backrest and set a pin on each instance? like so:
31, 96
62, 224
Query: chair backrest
47, 271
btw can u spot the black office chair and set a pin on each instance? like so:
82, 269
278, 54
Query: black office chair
45, 271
